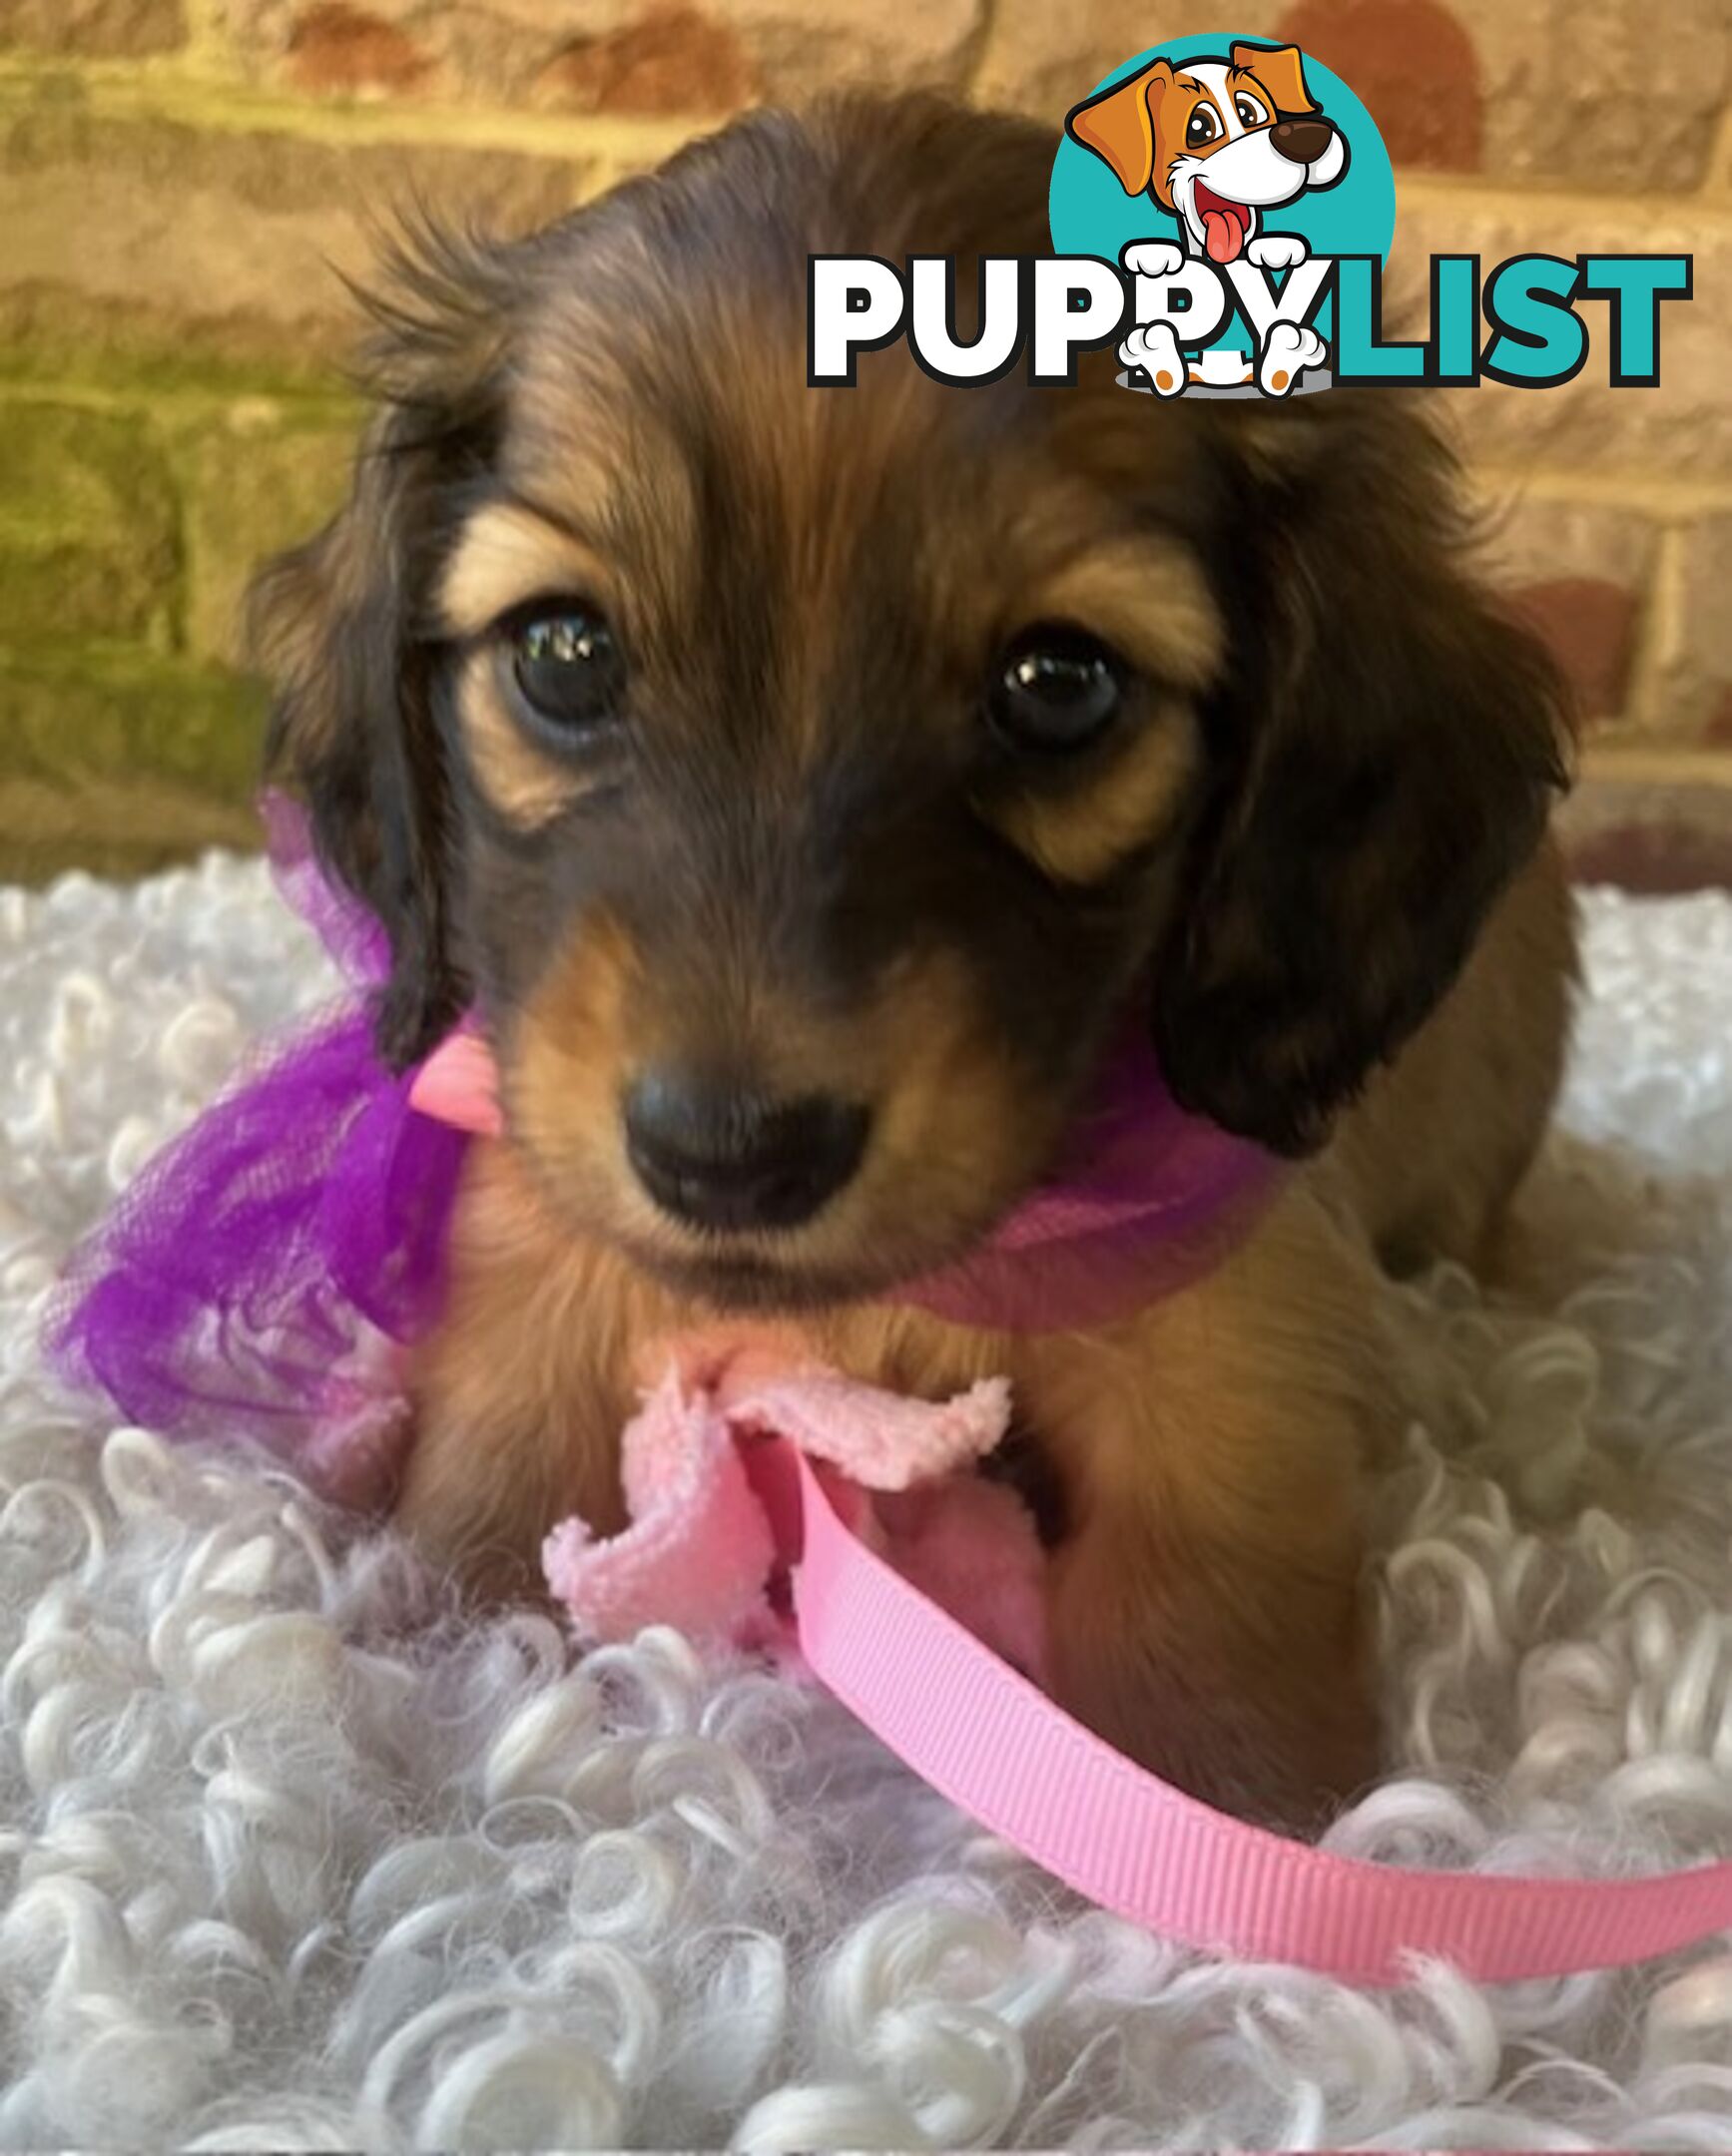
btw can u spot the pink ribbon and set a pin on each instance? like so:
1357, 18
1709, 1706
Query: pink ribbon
996, 1744
1150, 1181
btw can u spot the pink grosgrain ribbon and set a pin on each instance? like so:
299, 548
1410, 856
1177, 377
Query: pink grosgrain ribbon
995, 1744
1145, 1180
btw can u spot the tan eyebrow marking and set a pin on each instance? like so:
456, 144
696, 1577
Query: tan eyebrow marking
1084, 837
1146, 595
507, 554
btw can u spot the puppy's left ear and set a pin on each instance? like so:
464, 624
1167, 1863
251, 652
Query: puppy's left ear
1281, 71
1387, 749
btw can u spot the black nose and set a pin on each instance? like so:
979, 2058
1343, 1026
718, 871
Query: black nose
721, 1158
1301, 141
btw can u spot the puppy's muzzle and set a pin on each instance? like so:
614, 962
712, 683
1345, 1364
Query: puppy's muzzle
717, 1157
1301, 141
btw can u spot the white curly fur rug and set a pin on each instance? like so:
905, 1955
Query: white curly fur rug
292, 1857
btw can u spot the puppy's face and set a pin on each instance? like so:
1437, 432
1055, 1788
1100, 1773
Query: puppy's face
821, 758
806, 784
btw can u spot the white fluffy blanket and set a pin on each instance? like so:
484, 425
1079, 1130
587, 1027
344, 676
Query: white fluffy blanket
293, 1856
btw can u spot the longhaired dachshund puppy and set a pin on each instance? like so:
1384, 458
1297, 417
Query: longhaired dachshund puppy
805, 784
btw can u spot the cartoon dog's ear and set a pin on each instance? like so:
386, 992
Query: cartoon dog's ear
339, 626
1118, 123
1386, 750
1281, 71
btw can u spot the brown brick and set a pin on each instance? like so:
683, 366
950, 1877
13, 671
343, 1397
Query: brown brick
126, 830
1588, 623
1607, 94
672, 60
1579, 572
258, 478
1647, 834
332, 46
1692, 646
1682, 428
1413, 66
102, 29
1543, 90
643, 54
1517, 89
240, 236
1041, 59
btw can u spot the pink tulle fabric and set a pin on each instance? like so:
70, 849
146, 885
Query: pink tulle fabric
700, 1551
266, 1273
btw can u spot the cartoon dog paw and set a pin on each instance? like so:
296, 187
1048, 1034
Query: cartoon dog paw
1288, 350
1152, 257
1156, 350
1277, 250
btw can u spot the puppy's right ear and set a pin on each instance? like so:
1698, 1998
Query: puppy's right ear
340, 628
1118, 123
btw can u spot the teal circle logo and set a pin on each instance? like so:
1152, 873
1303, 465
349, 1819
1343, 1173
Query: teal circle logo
1092, 214
1227, 153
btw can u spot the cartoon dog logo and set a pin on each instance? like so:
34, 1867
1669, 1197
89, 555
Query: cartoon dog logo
1214, 141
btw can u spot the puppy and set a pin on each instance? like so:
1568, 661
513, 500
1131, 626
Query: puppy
674, 716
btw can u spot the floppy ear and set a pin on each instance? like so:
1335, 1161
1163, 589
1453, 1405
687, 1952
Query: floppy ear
1118, 124
339, 626
1281, 71
1388, 748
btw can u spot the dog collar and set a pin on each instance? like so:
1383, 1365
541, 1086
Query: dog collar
1144, 1200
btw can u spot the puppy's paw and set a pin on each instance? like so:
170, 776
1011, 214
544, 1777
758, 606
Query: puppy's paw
1152, 257
1155, 350
1287, 351
1276, 251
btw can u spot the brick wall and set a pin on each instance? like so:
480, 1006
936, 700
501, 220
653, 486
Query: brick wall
181, 180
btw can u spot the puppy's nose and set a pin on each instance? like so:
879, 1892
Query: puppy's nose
720, 1158
1303, 141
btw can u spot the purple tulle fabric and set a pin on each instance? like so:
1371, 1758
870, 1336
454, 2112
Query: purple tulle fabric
259, 1275
265, 1273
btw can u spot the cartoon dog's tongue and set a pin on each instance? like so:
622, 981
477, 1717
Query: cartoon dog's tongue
1225, 223
1222, 235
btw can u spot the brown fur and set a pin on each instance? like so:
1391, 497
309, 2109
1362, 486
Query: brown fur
1310, 852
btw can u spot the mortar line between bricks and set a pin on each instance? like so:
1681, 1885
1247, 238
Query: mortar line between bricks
1668, 501
124, 90
1645, 685
978, 44
315, 407
1718, 178
231, 105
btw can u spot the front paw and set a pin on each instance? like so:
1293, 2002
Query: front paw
1289, 349
1152, 259
1156, 352
1276, 251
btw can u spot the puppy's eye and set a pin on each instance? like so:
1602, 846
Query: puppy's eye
1202, 126
1249, 110
566, 666
1054, 690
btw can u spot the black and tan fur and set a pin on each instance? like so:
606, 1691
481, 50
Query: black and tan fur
1315, 860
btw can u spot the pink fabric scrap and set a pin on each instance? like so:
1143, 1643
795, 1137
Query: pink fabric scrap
701, 1552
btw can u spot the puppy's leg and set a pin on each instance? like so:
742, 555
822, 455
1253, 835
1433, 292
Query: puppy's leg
521, 1394
1205, 1606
